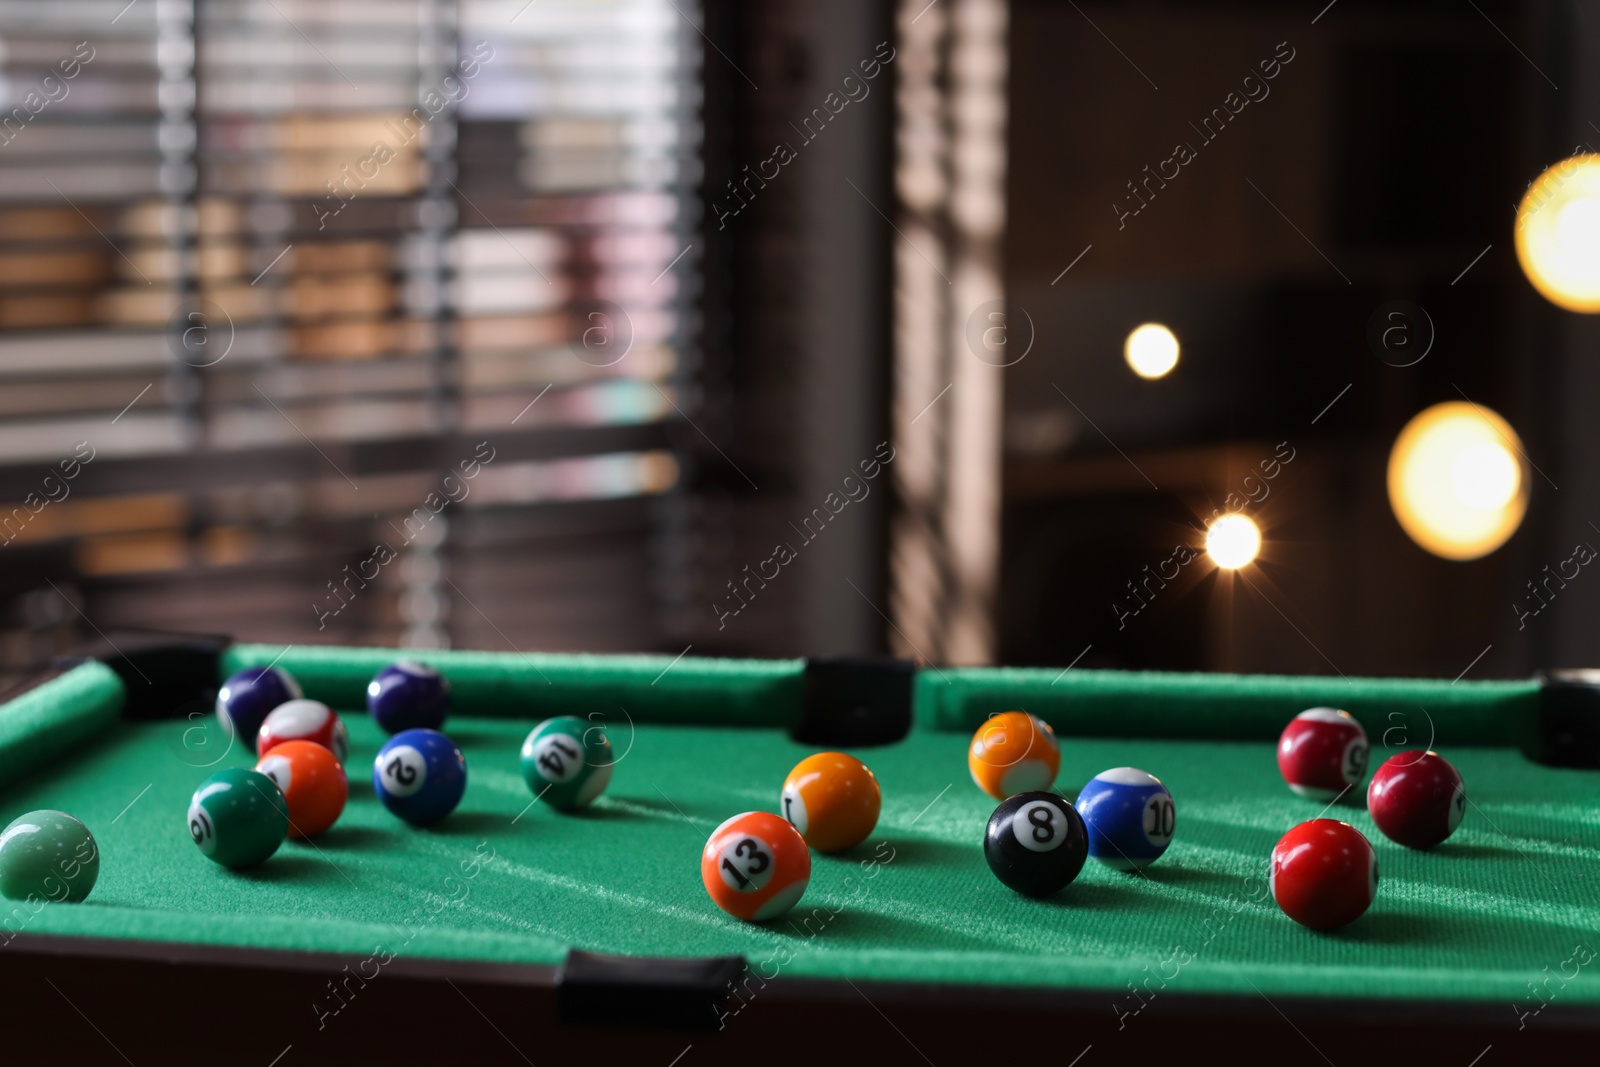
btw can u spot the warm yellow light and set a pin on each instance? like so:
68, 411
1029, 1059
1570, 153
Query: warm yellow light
1558, 233
1232, 541
1485, 476
1151, 350
1456, 480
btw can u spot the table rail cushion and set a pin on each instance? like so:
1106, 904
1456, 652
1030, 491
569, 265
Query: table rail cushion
537, 685
52, 718
1397, 712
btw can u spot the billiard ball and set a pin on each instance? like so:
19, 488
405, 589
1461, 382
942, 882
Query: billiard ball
1322, 753
408, 696
755, 866
420, 776
1013, 752
833, 800
247, 696
312, 782
1130, 816
1417, 799
238, 817
304, 720
1324, 874
567, 762
47, 855
1036, 843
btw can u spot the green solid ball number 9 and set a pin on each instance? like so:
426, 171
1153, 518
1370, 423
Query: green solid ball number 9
238, 817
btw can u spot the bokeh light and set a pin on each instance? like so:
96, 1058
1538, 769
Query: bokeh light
1456, 480
1151, 350
1558, 233
1233, 541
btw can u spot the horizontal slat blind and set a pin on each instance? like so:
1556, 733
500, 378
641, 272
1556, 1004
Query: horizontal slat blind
286, 266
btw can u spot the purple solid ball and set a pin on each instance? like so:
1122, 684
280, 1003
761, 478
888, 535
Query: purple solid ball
408, 696
248, 697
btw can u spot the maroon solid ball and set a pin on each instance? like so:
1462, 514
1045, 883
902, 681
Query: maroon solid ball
1417, 799
304, 720
1324, 874
1322, 752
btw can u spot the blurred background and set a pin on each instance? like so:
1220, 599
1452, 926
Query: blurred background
952, 329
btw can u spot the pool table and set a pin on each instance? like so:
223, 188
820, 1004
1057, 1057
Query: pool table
514, 933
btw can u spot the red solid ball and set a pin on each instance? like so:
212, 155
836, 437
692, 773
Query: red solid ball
1324, 874
1322, 753
1417, 799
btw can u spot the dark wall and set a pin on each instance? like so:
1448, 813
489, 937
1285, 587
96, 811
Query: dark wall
1568, 634
793, 376
1375, 166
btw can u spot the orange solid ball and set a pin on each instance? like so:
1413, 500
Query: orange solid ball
1012, 753
833, 800
755, 866
312, 781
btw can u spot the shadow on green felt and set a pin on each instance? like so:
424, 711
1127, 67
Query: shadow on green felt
474, 736
1352, 799
1468, 850
306, 867
346, 839
912, 852
1254, 841
1458, 865
1388, 927
1166, 872
468, 824
1095, 895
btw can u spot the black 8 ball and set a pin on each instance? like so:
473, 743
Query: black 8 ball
1036, 843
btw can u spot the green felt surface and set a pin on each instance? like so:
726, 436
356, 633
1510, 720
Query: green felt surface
1092, 703
1512, 893
539, 685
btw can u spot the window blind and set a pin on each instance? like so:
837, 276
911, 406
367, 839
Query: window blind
360, 321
